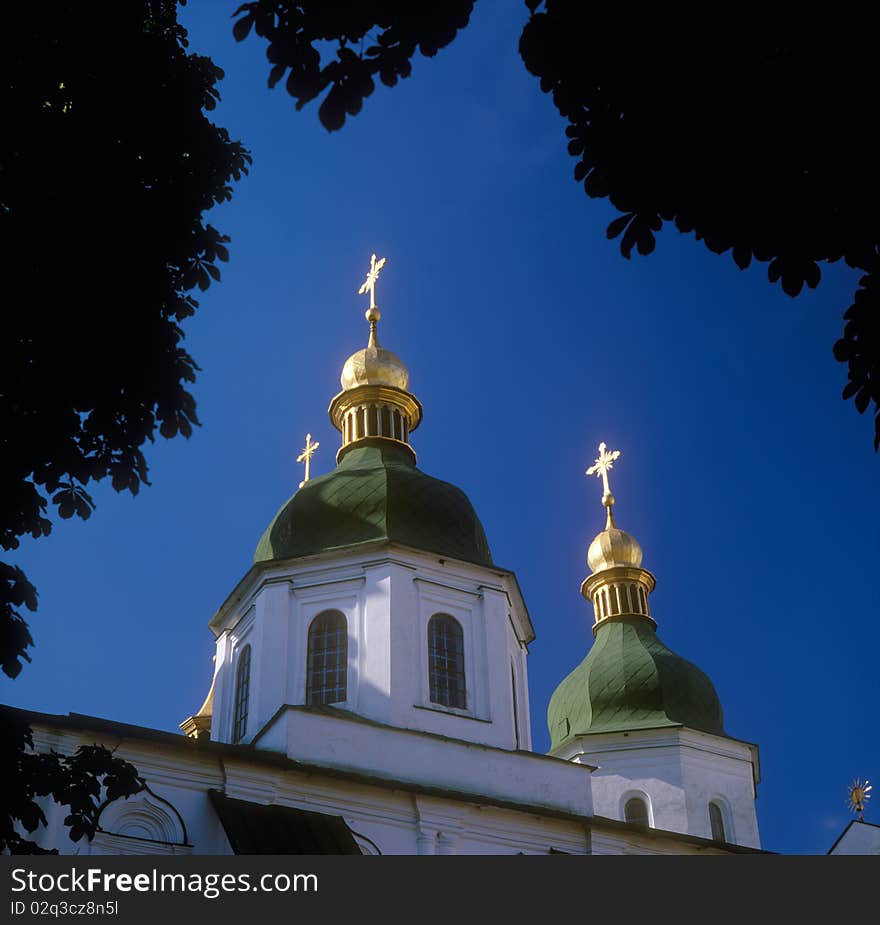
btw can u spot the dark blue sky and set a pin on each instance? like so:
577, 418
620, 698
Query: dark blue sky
751, 486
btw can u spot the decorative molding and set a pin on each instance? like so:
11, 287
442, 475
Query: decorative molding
452, 711
296, 587
143, 816
445, 586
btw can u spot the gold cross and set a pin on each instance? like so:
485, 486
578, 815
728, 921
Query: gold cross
603, 464
370, 282
306, 456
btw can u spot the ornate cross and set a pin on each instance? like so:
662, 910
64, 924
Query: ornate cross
306, 456
369, 284
603, 464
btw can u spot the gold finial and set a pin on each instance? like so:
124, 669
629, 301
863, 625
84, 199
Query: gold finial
369, 285
306, 457
859, 794
603, 464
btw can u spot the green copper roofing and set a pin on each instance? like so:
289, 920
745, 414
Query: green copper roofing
630, 680
376, 493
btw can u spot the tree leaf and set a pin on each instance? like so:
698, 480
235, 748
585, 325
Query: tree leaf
618, 225
242, 28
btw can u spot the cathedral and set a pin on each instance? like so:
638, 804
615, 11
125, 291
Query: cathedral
371, 695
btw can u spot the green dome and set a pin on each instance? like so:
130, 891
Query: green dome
376, 494
630, 680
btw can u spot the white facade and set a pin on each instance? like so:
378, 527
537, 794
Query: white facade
678, 773
386, 816
387, 595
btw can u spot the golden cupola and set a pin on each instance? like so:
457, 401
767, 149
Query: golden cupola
374, 404
613, 547
618, 587
374, 365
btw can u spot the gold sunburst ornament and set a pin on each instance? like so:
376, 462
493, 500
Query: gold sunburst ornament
859, 794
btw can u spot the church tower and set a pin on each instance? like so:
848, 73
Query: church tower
372, 603
647, 719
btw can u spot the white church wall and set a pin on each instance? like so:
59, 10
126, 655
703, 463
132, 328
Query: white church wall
624, 774
393, 821
680, 771
383, 819
409, 756
404, 627
720, 770
612, 842
269, 666
373, 655
222, 688
468, 829
387, 601
518, 651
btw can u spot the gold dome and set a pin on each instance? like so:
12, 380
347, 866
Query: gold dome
613, 547
374, 365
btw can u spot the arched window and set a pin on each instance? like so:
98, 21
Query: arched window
716, 821
446, 661
242, 695
327, 673
636, 811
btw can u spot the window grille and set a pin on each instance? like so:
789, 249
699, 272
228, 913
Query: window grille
446, 661
242, 695
327, 672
